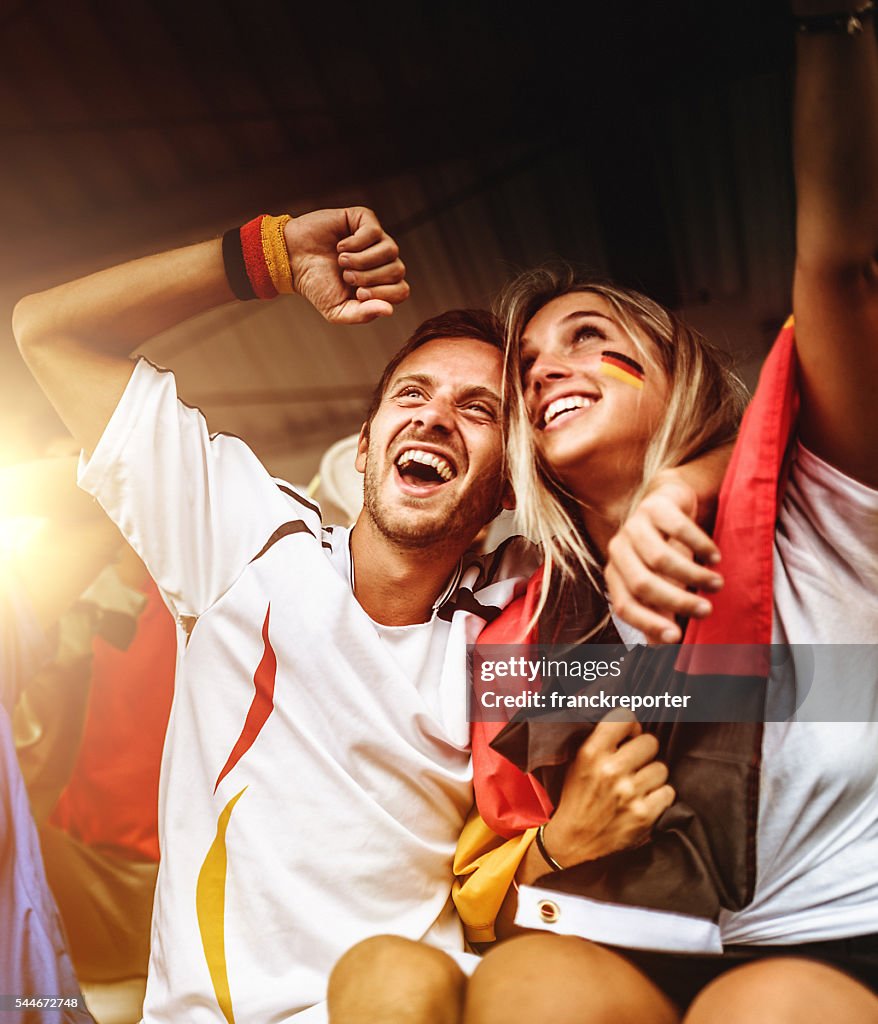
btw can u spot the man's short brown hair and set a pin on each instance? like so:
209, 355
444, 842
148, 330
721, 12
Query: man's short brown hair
479, 324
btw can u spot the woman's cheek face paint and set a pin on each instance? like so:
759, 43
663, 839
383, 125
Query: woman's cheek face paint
623, 368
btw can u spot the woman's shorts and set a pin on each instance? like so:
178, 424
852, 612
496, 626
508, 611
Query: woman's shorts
682, 977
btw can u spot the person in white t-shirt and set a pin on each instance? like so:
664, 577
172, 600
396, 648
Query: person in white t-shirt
316, 771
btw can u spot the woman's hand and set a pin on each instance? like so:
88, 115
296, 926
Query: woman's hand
613, 794
653, 561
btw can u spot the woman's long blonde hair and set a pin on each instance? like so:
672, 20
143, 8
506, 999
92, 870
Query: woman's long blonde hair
704, 406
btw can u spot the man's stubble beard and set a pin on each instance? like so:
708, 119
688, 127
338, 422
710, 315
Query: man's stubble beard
457, 529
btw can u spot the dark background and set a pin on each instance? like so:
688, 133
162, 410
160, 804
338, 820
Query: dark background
648, 141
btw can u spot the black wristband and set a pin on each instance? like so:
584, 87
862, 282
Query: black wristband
850, 22
236, 271
544, 853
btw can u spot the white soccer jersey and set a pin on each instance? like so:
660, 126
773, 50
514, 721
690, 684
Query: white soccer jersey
316, 772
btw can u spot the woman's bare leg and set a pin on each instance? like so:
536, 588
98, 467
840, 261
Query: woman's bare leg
784, 990
563, 980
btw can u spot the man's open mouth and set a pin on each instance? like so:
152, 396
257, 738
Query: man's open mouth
562, 407
419, 468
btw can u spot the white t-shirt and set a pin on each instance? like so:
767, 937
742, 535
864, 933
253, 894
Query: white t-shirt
817, 843
316, 772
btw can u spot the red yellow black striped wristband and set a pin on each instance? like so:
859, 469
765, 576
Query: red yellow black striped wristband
255, 258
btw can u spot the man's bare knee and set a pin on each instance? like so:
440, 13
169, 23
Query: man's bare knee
397, 981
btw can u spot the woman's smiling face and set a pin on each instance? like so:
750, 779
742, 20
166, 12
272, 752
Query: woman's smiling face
593, 402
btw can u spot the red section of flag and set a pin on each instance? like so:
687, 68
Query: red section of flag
261, 706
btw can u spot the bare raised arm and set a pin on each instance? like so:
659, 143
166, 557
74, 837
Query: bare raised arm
835, 301
76, 337
835, 295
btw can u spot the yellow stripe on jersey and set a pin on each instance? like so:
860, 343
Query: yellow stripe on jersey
210, 907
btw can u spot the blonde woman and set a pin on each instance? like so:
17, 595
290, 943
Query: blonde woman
596, 374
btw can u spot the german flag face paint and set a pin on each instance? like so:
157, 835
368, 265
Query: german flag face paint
623, 368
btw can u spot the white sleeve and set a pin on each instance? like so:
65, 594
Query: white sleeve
196, 508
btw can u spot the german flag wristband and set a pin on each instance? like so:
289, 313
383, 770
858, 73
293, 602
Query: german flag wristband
256, 260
